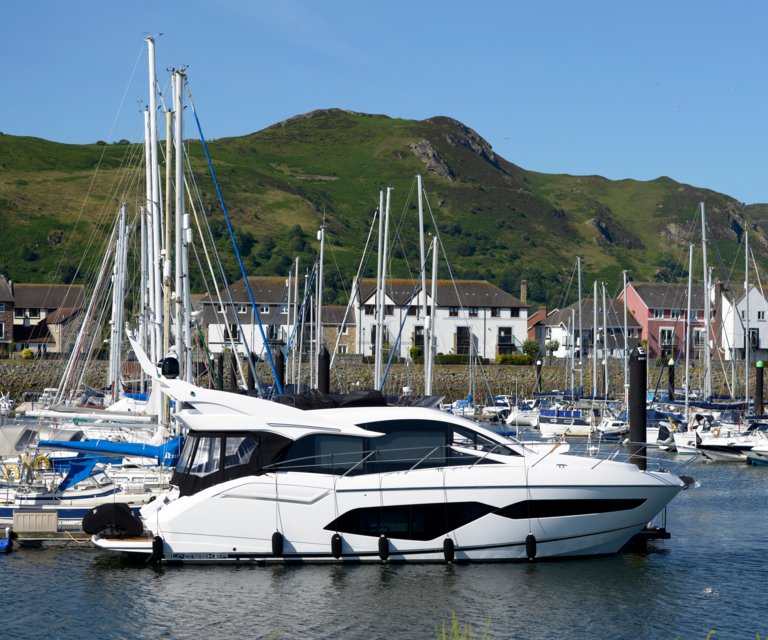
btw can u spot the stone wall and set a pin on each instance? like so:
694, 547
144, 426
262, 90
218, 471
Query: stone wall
452, 381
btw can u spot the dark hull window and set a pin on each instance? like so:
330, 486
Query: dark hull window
410, 522
559, 508
429, 521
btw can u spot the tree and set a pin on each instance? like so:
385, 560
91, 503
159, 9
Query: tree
552, 346
531, 348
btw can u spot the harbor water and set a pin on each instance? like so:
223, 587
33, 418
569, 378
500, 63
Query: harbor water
709, 576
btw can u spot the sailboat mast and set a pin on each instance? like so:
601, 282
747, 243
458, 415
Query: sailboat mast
605, 341
167, 270
594, 339
688, 328
118, 283
178, 223
378, 300
626, 343
319, 332
154, 203
429, 327
707, 372
747, 340
581, 331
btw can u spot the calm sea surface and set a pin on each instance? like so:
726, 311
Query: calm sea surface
712, 574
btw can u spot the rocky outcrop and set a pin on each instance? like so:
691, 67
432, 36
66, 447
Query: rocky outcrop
425, 152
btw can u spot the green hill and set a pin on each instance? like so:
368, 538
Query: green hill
497, 220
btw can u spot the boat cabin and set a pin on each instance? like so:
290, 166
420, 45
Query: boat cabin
211, 457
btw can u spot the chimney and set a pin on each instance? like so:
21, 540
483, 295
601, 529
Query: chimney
524, 291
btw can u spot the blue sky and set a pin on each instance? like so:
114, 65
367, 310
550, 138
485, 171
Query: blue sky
620, 89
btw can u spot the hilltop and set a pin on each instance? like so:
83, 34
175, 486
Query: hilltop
497, 220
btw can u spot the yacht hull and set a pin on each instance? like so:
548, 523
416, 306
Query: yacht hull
393, 517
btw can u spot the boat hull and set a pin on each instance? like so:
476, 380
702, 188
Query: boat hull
566, 516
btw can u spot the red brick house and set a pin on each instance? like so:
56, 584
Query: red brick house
660, 309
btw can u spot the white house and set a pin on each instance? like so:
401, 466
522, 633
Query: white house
232, 324
734, 320
471, 316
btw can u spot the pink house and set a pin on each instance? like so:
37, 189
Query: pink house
660, 309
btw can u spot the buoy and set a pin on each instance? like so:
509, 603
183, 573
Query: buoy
157, 550
449, 550
383, 547
277, 544
336, 545
530, 546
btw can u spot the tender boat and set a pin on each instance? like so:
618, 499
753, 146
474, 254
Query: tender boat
260, 481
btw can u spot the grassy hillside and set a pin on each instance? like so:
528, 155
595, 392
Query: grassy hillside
497, 221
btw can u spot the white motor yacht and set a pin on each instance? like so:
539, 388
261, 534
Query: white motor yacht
259, 481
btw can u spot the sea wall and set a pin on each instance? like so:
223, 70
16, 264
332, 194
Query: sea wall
349, 373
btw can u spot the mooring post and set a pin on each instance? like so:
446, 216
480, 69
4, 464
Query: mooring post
671, 379
251, 379
638, 366
538, 375
279, 360
220, 371
324, 371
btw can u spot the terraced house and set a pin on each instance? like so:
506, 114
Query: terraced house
471, 317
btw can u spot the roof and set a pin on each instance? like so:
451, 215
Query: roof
663, 295
265, 289
6, 294
614, 314
334, 315
48, 296
61, 315
450, 293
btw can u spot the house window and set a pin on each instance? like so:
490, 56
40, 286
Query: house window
2, 331
506, 340
453, 311
18, 312
515, 312
418, 336
243, 308
698, 338
369, 309
231, 333
345, 330
495, 312
463, 338
473, 312
2, 306
760, 315
674, 313
342, 349
389, 310
666, 336
658, 313
34, 313
284, 309
743, 314
263, 309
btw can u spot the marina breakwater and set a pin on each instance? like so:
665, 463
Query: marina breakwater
349, 373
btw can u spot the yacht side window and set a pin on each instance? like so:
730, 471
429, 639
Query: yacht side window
207, 457
469, 439
238, 450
